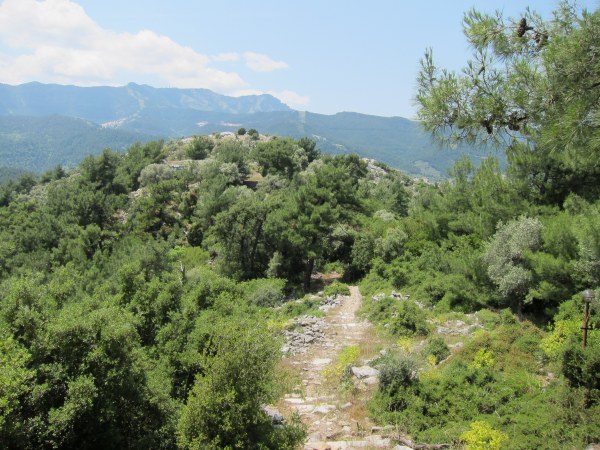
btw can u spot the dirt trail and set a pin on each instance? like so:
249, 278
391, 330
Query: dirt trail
335, 420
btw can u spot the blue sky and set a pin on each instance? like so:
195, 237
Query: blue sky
323, 56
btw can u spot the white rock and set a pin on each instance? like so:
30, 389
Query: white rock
323, 409
370, 380
365, 372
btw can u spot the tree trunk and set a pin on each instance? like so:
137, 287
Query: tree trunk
520, 305
310, 264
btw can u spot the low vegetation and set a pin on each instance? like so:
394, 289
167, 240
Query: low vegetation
144, 293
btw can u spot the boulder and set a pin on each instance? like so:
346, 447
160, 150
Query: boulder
365, 372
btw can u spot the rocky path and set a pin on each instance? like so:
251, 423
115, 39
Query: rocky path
336, 419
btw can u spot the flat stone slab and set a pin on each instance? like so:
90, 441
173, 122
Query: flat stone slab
320, 361
295, 400
304, 409
365, 372
323, 409
373, 442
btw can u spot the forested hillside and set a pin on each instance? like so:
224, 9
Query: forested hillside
45, 125
145, 294
37, 144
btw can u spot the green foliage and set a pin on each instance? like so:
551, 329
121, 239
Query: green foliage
436, 347
281, 156
154, 173
242, 242
200, 147
555, 342
310, 148
506, 260
224, 409
264, 292
397, 374
15, 379
345, 359
581, 367
399, 318
233, 159
306, 306
336, 288
254, 135
481, 436
115, 331
502, 93
482, 359
39, 143
493, 379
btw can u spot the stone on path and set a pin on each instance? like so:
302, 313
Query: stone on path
365, 372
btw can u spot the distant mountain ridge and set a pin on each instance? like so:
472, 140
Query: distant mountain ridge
42, 125
105, 104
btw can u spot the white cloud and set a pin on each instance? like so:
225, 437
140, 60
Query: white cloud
227, 57
262, 63
56, 41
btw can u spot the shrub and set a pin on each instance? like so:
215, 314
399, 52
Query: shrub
224, 408
410, 320
200, 147
554, 343
307, 306
348, 356
397, 373
154, 173
336, 288
373, 284
437, 348
581, 367
483, 359
264, 292
241, 131
400, 318
481, 436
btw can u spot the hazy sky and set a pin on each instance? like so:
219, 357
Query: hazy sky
323, 56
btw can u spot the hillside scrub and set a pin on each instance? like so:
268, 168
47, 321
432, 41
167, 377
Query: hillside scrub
126, 282
175, 249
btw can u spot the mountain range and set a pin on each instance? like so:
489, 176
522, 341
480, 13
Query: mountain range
43, 125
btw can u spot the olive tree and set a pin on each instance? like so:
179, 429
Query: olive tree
505, 257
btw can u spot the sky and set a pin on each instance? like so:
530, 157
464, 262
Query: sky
324, 56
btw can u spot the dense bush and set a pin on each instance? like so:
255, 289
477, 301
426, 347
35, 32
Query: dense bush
225, 406
200, 147
264, 292
398, 317
397, 373
437, 348
336, 288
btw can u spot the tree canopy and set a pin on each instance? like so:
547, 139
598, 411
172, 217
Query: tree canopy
533, 86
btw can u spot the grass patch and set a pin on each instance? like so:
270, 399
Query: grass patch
308, 306
336, 288
348, 356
